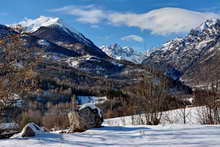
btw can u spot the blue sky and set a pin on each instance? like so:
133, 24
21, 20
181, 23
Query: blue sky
142, 24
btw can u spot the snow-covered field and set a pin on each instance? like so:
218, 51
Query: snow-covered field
192, 116
119, 132
127, 136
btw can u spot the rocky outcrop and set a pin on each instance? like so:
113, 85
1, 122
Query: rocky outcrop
8, 129
87, 117
30, 130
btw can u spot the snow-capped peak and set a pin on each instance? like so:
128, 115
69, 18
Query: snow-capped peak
123, 53
32, 25
207, 24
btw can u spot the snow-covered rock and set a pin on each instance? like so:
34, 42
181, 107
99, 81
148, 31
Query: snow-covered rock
123, 53
93, 107
88, 116
8, 129
30, 130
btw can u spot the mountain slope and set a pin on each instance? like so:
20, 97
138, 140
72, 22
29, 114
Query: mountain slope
54, 30
6, 31
181, 54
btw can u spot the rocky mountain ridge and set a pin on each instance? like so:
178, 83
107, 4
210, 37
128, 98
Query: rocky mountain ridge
124, 53
178, 56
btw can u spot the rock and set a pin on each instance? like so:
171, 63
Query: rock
30, 130
8, 129
87, 117
7, 134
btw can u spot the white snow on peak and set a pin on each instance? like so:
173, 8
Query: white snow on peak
166, 46
207, 24
123, 53
32, 25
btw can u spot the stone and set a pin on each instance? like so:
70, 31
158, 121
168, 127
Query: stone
30, 130
87, 117
8, 129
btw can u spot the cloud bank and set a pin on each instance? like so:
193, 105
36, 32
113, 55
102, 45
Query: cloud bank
161, 21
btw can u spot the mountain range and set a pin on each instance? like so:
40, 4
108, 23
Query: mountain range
191, 56
124, 53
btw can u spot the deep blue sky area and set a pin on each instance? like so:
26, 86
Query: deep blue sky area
142, 24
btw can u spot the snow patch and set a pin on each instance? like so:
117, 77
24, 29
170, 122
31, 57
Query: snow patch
91, 99
43, 42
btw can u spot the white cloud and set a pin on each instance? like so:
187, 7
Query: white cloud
86, 14
159, 21
132, 38
163, 21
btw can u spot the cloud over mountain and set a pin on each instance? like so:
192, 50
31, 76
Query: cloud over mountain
161, 21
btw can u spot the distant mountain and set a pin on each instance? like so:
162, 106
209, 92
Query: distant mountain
55, 31
181, 55
123, 53
6, 31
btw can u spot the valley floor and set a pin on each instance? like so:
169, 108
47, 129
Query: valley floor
127, 136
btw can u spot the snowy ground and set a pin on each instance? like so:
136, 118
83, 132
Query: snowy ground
139, 136
119, 132
192, 116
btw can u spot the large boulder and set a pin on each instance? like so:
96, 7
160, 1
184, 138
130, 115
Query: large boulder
30, 130
86, 117
8, 129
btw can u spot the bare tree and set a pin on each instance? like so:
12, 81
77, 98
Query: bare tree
153, 97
